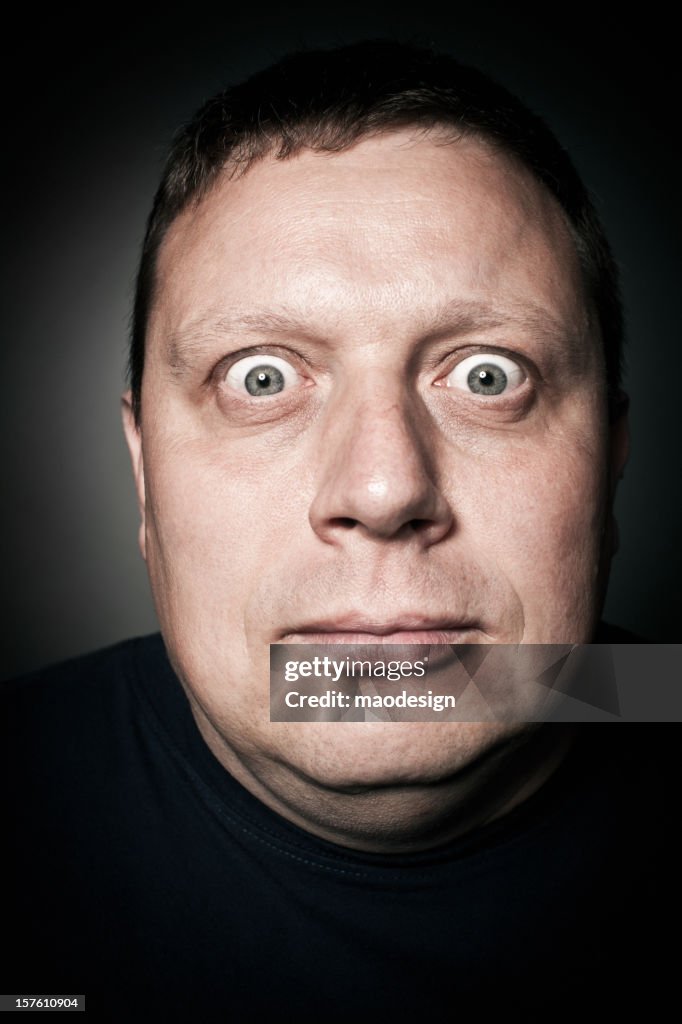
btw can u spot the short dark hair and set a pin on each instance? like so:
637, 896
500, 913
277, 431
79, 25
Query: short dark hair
327, 100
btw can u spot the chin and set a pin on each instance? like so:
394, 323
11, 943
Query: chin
358, 756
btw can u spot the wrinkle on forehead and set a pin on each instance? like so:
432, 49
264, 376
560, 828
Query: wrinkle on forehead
404, 168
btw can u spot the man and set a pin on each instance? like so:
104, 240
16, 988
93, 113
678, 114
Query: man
374, 400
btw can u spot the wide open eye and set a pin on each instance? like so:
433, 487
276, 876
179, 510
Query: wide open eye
261, 375
487, 373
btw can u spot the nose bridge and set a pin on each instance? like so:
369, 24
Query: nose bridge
377, 472
387, 439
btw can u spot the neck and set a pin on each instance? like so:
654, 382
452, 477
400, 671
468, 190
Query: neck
401, 818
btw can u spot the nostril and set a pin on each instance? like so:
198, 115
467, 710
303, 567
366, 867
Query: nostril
344, 522
420, 524
431, 530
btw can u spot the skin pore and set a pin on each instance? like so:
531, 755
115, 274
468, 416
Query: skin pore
365, 492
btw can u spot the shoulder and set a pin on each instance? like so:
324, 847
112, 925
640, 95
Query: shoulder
105, 665
56, 700
609, 634
72, 737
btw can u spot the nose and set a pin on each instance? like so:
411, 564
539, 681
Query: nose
377, 476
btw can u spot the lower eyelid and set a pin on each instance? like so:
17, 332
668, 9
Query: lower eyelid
515, 386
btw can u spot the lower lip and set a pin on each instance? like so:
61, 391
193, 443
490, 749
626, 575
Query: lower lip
412, 636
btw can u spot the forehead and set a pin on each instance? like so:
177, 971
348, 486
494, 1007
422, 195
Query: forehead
390, 228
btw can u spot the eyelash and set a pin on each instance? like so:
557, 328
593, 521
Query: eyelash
223, 367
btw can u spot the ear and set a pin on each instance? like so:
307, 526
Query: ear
618, 455
133, 436
620, 438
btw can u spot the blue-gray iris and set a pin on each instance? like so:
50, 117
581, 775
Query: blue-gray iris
264, 380
487, 379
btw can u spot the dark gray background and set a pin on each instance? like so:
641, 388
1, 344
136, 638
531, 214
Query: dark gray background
88, 111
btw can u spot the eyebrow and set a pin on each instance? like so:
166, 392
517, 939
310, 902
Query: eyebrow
193, 338
457, 317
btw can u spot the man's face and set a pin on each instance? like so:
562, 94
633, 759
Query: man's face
373, 409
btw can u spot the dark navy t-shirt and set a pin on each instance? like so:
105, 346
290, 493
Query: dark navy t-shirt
141, 874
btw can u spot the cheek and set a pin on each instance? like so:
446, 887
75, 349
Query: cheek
214, 524
546, 519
